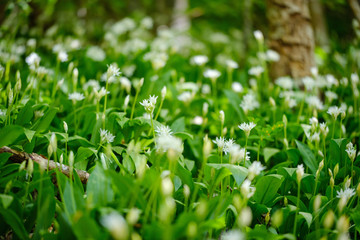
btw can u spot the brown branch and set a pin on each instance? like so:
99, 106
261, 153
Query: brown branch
355, 6
23, 156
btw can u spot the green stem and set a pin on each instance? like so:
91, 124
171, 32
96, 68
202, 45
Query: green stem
55, 79
134, 103
246, 142
333, 130
297, 207
105, 102
158, 111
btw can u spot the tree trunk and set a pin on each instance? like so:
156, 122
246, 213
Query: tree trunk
180, 21
319, 24
291, 35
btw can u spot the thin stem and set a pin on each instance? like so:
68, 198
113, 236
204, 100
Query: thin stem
333, 130
105, 102
158, 111
297, 207
246, 142
134, 103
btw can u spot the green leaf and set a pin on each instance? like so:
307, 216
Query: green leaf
6, 200
267, 187
29, 134
26, 114
238, 172
185, 176
99, 187
269, 152
184, 135
178, 125
9, 134
307, 156
307, 217
235, 101
43, 123
15, 223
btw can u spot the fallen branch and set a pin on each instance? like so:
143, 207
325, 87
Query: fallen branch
19, 157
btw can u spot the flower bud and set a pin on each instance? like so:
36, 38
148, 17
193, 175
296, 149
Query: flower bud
245, 217
133, 216
343, 224
222, 117
205, 108
167, 186
22, 166
329, 219
336, 170
186, 191
317, 203
53, 142
332, 182
277, 219
272, 102
71, 159
267, 218
65, 127
30, 167
191, 230
163, 92
284, 119
126, 101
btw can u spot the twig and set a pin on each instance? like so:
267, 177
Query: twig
23, 156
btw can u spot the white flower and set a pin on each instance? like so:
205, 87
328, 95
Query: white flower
92, 84
331, 96
309, 83
232, 235
237, 154
96, 53
106, 136
100, 93
354, 78
112, 71
163, 130
147, 22
116, 225
346, 193
2, 112
247, 127
76, 96
259, 35
167, 142
351, 151
272, 55
126, 84
324, 129
256, 71
314, 102
314, 71
300, 172
186, 97
246, 189
213, 74
33, 60
220, 142
237, 87
62, 56
228, 145
331, 80
255, 169
198, 120
149, 104
334, 111
249, 102
205, 89
315, 137
285, 82
199, 60
231, 64
163, 92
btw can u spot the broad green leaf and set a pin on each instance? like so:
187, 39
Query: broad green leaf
307, 156
185, 176
29, 134
267, 187
308, 217
99, 188
269, 152
6, 200
178, 125
235, 101
43, 123
9, 134
238, 172
26, 114
15, 222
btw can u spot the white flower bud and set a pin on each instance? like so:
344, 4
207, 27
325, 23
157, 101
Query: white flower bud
205, 108
126, 101
133, 216
259, 36
167, 186
65, 127
186, 191
222, 116
163, 92
272, 102
71, 159
30, 167
329, 219
317, 203
53, 142
245, 217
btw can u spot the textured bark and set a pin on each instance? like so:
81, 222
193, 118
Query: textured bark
291, 35
180, 21
23, 156
319, 24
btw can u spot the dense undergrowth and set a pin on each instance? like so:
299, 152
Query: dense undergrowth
178, 144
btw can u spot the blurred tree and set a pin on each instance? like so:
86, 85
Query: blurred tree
319, 24
291, 35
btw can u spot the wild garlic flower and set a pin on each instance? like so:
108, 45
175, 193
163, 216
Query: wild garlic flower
100, 94
331, 96
272, 55
125, 84
285, 83
168, 142
237, 154
309, 83
106, 136
324, 129
220, 142
76, 96
116, 225
62, 56
246, 190
227, 145
346, 193
351, 151
237, 87
213, 74
255, 169
231, 64
186, 97
249, 102
314, 102
112, 71
247, 127
33, 60
259, 35
199, 60
256, 71
232, 235
300, 173
149, 104
163, 130
334, 111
